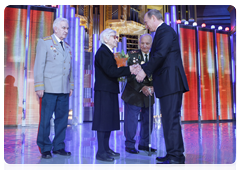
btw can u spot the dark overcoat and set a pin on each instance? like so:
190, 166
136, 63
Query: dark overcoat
106, 88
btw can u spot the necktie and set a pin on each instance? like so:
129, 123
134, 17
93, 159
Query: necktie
61, 44
146, 58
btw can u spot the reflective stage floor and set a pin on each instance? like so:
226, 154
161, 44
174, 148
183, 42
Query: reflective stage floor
205, 143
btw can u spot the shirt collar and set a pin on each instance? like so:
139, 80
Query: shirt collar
144, 54
109, 48
57, 38
159, 25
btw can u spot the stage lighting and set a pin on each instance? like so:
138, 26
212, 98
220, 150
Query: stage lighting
213, 27
203, 25
194, 24
227, 29
220, 28
179, 21
186, 23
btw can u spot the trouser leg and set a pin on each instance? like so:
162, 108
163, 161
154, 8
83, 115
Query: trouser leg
47, 109
61, 121
130, 124
170, 109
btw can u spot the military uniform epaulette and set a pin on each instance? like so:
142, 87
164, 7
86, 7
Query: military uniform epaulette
47, 38
67, 43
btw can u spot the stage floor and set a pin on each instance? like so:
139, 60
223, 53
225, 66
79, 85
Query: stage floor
205, 143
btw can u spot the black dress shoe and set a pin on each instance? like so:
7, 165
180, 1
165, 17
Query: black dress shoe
162, 159
132, 150
46, 155
62, 152
104, 158
112, 153
170, 163
146, 148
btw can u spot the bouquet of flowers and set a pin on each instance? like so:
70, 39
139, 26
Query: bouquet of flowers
121, 59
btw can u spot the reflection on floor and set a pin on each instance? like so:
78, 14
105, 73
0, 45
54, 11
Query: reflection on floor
205, 143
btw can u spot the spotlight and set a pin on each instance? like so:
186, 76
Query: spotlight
213, 27
186, 23
220, 28
179, 21
203, 25
226, 29
194, 24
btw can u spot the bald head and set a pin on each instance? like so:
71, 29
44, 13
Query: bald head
145, 42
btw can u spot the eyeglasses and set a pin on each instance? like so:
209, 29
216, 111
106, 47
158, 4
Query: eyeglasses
114, 36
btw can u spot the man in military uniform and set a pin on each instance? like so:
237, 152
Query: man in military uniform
136, 100
53, 82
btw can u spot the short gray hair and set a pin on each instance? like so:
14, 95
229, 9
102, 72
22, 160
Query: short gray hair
144, 36
156, 13
57, 21
106, 34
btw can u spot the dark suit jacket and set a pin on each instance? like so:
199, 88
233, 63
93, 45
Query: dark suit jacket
107, 72
131, 93
165, 63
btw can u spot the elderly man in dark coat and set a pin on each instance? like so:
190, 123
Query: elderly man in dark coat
106, 109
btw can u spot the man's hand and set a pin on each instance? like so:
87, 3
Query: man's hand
40, 93
140, 76
70, 94
134, 69
147, 90
152, 89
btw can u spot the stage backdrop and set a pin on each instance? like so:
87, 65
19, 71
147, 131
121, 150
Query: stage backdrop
15, 19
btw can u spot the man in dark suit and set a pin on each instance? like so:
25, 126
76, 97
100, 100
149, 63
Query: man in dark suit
53, 81
136, 100
169, 82
106, 88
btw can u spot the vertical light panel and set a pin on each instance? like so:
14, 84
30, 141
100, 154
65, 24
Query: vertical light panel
233, 72
124, 44
114, 49
70, 39
207, 83
75, 70
95, 48
81, 72
199, 76
167, 18
217, 78
188, 48
173, 17
25, 66
60, 11
224, 76
119, 47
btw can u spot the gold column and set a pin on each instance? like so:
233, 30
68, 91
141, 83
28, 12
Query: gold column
124, 12
90, 28
119, 11
108, 12
101, 20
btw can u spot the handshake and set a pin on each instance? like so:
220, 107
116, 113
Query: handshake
137, 70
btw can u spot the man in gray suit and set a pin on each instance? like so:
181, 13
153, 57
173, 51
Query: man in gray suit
53, 82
